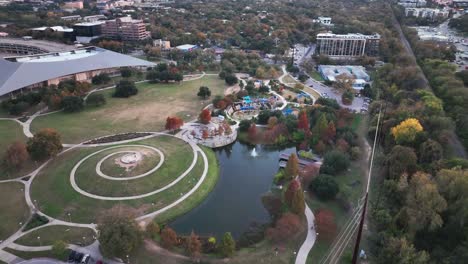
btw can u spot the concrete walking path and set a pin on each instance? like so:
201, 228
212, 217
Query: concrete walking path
309, 242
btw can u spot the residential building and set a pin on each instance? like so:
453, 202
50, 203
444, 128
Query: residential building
347, 46
430, 13
125, 28
326, 21
34, 71
187, 47
412, 3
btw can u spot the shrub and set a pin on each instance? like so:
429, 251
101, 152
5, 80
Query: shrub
168, 238
125, 89
244, 125
228, 245
72, 104
96, 99
36, 220
230, 79
118, 235
101, 79
18, 108
325, 187
285, 228
126, 72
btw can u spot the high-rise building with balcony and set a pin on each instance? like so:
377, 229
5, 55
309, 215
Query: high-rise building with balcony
347, 46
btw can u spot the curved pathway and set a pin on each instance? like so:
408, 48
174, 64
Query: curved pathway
309, 242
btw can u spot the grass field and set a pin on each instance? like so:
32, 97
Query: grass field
56, 197
146, 111
149, 160
50, 234
13, 209
10, 131
30, 255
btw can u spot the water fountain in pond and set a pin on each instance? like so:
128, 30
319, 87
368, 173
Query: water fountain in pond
254, 153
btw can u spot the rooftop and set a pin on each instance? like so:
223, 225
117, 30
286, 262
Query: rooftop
23, 71
42, 44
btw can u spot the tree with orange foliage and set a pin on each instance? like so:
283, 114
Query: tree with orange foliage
325, 224
292, 167
168, 237
330, 132
285, 228
16, 154
252, 132
342, 145
205, 134
294, 197
320, 147
303, 121
194, 245
174, 123
205, 116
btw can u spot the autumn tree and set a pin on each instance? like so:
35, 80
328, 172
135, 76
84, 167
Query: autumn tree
16, 154
252, 132
272, 121
325, 223
168, 237
228, 245
294, 197
285, 228
44, 144
406, 131
194, 245
424, 204
303, 121
205, 116
173, 123
292, 167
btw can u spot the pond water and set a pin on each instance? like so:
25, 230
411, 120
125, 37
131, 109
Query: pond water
235, 202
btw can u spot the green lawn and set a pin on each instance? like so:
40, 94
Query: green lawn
13, 209
196, 198
289, 80
316, 76
56, 197
146, 111
50, 234
148, 162
10, 131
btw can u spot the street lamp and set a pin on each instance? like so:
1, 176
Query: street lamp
39, 239
128, 259
69, 217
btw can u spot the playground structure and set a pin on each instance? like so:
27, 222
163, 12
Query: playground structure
251, 107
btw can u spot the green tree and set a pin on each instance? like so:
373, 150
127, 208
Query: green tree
320, 128
334, 162
45, 144
325, 187
399, 250
72, 104
401, 160
96, 99
424, 204
118, 235
453, 185
125, 89
59, 250
126, 72
230, 79
430, 151
204, 92
292, 167
228, 245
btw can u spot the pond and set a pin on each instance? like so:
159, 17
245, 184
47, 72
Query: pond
235, 202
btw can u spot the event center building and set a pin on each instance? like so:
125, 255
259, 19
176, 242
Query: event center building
38, 70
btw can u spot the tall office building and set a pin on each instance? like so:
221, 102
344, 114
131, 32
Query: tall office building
125, 28
347, 46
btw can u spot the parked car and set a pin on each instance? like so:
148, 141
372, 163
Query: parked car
78, 257
71, 256
85, 259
